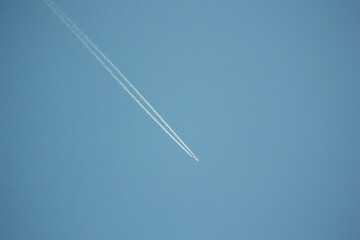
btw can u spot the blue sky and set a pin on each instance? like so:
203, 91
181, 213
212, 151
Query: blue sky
265, 93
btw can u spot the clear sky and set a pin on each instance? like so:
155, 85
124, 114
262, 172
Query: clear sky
266, 93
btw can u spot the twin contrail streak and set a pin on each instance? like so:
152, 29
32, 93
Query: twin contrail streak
82, 34
105, 62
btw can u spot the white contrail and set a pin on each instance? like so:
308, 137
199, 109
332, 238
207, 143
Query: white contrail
93, 45
111, 72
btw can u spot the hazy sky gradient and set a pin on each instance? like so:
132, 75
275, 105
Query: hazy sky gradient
267, 94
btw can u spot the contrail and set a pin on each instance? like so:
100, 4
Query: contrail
55, 10
93, 45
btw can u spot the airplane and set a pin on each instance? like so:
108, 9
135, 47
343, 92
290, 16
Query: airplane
196, 159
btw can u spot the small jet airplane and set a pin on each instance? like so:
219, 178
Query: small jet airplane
196, 159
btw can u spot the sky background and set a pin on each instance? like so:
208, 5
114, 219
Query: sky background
266, 93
